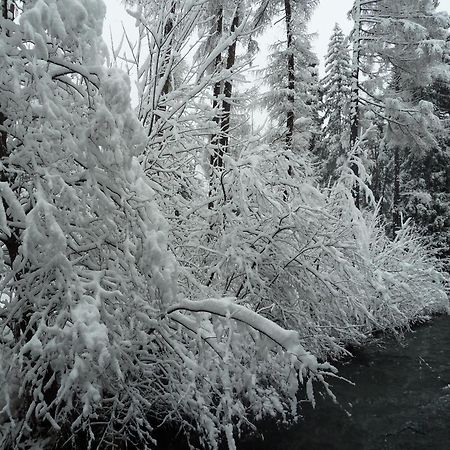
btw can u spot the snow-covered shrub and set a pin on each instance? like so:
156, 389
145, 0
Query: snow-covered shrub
314, 263
98, 345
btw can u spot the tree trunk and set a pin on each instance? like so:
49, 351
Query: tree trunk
396, 217
290, 78
290, 86
3, 150
168, 28
354, 100
227, 91
163, 71
220, 141
216, 158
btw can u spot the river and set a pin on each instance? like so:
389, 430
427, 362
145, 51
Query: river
400, 400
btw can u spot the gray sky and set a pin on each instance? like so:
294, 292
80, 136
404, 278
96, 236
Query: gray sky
326, 15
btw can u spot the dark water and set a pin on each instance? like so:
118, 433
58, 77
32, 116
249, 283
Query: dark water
401, 400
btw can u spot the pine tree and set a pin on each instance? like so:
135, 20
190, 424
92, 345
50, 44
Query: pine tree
427, 176
335, 90
291, 76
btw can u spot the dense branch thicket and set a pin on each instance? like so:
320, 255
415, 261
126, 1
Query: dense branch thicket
166, 266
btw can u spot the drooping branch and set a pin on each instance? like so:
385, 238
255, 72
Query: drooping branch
288, 340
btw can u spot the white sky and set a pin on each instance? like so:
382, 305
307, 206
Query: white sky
326, 15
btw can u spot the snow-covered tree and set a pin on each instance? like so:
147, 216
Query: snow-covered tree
267, 251
81, 217
165, 84
97, 344
335, 90
292, 74
398, 46
426, 192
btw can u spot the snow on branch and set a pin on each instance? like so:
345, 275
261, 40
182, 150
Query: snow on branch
289, 340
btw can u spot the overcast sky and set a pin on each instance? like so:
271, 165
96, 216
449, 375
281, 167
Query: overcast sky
327, 14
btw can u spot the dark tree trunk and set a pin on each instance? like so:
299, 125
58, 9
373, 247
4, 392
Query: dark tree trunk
354, 128
216, 158
396, 217
168, 28
227, 91
354, 104
290, 77
166, 48
3, 150
220, 141
290, 87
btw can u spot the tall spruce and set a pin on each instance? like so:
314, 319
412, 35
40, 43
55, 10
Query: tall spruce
335, 88
291, 76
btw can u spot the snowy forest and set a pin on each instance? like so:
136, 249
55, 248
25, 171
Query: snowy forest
166, 264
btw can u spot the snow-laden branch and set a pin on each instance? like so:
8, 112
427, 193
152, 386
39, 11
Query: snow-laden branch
289, 340
91, 74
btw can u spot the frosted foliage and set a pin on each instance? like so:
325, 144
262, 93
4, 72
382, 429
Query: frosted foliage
320, 266
281, 99
401, 48
410, 40
117, 320
87, 244
94, 329
65, 23
300, 257
335, 87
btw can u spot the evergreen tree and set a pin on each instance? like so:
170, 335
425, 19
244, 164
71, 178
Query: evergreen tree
426, 195
292, 78
335, 90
